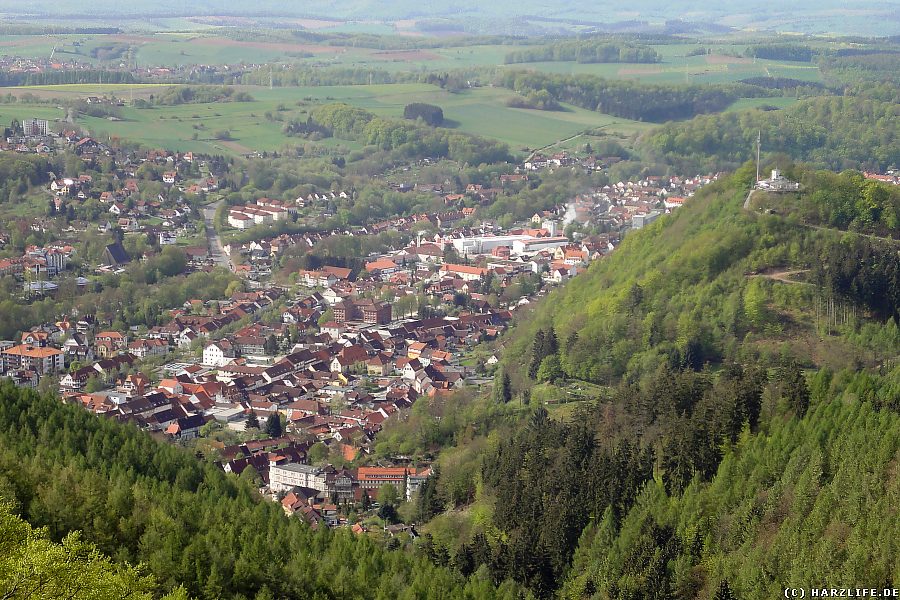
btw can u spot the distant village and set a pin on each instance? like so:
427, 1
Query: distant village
63, 64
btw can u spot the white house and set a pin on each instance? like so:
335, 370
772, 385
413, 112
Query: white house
167, 238
284, 477
218, 354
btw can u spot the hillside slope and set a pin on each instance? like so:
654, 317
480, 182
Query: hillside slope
738, 360
191, 525
811, 504
703, 285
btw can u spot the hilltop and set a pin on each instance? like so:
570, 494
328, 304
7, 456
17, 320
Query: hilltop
702, 283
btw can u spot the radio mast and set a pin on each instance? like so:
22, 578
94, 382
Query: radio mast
758, 144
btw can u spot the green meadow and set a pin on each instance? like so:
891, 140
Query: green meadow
257, 125
20, 112
746, 103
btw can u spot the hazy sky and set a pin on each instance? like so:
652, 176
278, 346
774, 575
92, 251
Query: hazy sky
845, 16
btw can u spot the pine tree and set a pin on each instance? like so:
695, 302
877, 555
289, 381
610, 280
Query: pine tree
463, 560
795, 388
551, 344
271, 345
252, 421
537, 353
724, 592
571, 341
429, 502
273, 425
503, 388
635, 297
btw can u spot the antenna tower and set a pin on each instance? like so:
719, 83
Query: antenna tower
758, 144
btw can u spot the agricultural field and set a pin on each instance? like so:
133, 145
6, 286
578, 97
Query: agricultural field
196, 47
27, 46
123, 91
708, 69
257, 126
174, 49
483, 111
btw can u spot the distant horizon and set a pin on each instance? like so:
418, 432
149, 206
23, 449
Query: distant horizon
527, 17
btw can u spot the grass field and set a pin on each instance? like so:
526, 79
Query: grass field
684, 69
19, 112
480, 111
32, 205
745, 103
483, 111
76, 91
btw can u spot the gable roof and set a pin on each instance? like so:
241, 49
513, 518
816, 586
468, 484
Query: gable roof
115, 255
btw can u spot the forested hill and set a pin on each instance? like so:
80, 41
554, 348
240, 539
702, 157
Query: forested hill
808, 503
142, 501
742, 427
702, 285
832, 132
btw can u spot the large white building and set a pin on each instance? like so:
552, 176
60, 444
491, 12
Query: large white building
35, 127
483, 244
640, 221
244, 217
218, 354
535, 245
284, 477
777, 183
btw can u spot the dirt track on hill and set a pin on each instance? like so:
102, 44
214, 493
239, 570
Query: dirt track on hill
784, 276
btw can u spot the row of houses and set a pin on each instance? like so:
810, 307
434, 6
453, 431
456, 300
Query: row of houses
263, 212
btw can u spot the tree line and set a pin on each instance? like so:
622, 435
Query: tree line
80, 76
864, 272
586, 51
791, 52
195, 94
628, 99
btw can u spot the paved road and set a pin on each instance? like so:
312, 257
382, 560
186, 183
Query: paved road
213, 241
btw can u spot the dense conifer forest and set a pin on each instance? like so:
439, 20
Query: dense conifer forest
192, 526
